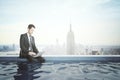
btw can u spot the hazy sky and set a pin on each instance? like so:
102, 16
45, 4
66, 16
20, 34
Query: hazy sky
93, 21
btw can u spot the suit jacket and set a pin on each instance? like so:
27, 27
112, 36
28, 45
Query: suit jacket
24, 45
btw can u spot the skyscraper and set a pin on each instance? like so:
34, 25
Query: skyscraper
70, 42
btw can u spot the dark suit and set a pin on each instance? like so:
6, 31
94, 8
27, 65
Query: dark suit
24, 45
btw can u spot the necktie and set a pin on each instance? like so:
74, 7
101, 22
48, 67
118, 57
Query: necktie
31, 48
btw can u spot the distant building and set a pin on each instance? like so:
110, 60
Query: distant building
70, 42
86, 51
95, 53
101, 51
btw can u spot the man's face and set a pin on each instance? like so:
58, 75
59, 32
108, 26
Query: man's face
30, 31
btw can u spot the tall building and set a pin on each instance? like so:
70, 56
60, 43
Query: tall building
70, 42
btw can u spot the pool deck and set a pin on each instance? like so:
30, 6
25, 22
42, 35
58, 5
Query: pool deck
66, 58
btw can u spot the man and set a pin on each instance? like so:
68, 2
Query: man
27, 45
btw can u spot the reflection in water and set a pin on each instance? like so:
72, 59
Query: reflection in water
60, 71
26, 71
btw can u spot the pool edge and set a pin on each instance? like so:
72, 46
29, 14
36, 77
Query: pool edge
70, 58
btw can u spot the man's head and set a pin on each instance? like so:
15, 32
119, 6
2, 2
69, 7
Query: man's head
31, 28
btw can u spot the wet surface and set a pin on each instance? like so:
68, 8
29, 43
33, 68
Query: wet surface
60, 71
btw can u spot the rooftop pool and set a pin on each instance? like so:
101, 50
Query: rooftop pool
61, 68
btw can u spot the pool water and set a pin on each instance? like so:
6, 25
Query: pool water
60, 71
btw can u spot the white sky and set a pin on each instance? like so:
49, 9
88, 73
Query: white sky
93, 21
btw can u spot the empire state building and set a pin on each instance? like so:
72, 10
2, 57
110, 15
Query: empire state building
70, 42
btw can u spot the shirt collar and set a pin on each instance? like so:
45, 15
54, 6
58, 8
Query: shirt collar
28, 35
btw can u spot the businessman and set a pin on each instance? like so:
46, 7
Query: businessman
27, 45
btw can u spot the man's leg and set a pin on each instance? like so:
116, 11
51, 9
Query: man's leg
30, 58
40, 59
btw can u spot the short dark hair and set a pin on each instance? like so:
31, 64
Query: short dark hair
30, 26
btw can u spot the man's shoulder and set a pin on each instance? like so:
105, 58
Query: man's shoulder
24, 34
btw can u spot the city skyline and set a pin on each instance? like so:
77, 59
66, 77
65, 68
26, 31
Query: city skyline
94, 22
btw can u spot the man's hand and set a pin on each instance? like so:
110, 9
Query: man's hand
31, 53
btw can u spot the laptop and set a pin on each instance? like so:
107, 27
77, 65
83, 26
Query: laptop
39, 54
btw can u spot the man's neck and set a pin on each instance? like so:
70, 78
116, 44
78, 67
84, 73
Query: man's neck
29, 34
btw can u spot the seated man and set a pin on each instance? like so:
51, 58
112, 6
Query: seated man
27, 45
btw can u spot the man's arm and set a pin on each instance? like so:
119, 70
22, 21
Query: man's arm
22, 44
34, 47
